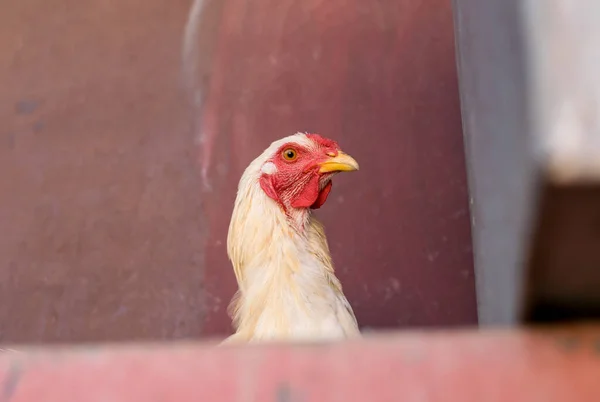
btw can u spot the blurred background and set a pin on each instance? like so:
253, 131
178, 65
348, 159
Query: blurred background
125, 126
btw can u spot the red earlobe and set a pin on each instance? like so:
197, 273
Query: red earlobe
267, 186
322, 196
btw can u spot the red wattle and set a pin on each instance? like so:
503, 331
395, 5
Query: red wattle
322, 197
309, 194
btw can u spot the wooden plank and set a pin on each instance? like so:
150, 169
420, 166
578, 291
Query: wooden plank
546, 364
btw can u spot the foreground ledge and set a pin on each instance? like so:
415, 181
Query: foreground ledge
549, 364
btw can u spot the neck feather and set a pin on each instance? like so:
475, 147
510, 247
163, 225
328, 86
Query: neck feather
278, 256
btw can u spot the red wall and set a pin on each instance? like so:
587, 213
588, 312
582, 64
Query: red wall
113, 217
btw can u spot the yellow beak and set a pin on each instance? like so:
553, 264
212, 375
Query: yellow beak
340, 163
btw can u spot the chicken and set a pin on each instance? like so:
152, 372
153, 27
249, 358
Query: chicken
287, 286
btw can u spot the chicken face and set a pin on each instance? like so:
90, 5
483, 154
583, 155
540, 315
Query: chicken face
298, 174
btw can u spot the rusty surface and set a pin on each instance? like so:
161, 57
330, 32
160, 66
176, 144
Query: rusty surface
113, 224
523, 365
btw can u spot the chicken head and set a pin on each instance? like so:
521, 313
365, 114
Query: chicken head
298, 174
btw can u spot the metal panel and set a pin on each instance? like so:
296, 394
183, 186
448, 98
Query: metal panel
113, 225
101, 220
550, 365
501, 168
380, 78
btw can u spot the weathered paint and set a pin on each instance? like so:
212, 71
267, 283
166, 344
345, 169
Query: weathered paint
520, 366
101, 226
380, 79
114, 218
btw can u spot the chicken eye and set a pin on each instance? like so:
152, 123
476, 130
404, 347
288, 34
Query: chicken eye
289, 154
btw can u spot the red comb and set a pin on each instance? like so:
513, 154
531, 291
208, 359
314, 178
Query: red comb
324, 142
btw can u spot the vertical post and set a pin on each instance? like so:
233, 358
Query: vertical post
501, 171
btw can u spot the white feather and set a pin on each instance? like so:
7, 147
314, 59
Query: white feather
287, 285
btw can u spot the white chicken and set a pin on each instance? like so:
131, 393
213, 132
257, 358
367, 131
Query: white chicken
287, 286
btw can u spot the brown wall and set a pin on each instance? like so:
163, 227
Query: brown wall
113, 218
